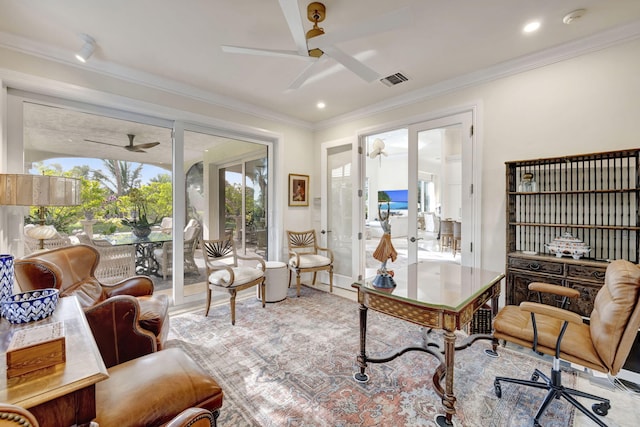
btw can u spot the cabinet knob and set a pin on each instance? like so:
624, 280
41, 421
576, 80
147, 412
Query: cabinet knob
598, 274
534, 266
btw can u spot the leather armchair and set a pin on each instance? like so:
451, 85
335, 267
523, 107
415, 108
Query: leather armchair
71, 270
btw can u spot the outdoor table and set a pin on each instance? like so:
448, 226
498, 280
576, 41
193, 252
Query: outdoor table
146, 262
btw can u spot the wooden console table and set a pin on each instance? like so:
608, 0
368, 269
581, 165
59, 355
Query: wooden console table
64, 394
435, 295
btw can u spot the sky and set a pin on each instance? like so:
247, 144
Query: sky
148, 171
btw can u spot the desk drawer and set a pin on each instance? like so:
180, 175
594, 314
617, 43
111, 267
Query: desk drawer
586, 272
537, 266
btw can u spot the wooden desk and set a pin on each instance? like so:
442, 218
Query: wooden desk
64, 394
435, 295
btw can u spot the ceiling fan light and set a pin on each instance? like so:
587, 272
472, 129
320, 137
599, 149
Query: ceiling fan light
87, 49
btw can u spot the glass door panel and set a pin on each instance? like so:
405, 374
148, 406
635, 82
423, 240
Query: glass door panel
387, 196
339, 227
444, 214
256, 206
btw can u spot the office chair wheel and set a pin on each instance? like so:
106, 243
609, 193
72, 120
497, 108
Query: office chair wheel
535, 376
497, 389
601, 409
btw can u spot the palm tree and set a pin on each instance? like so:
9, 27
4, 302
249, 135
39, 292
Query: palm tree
122, 177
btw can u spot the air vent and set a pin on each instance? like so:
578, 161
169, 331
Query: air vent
394, 79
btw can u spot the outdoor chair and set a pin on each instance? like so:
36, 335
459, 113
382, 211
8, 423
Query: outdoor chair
305, 257
164, 255
32, 245
602, 344
116, 262
225, 272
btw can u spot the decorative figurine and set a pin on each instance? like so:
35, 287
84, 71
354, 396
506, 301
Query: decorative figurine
384, 252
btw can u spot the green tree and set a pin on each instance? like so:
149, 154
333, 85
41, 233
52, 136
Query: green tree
122, 176
161, 177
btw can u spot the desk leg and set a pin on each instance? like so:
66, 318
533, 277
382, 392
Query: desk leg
362, 357
448, 398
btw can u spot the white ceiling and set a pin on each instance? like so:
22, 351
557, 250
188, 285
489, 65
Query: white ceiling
177, 46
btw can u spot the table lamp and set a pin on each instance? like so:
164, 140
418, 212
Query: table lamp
41, 191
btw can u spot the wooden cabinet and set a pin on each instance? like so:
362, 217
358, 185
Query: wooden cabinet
594, 197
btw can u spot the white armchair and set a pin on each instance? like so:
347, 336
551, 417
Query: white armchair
164, 255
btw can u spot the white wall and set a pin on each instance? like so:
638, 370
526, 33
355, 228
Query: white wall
582, 105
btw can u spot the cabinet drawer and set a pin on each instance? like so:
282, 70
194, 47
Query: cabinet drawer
586, 272
537, 266
583, 305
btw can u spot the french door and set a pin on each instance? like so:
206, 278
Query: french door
417, 175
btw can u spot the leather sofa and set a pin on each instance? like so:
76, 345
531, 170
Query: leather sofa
17, 416
71, 270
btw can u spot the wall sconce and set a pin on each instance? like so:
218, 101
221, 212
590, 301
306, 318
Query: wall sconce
87, 49
41, 191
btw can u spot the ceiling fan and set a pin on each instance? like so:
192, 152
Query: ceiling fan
315, 45
377, 148
137, 148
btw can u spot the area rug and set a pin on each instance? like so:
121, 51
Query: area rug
292, 364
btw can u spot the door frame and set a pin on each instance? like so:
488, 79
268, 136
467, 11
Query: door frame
475, 232
356, 242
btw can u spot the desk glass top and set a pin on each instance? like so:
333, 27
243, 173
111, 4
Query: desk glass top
131, 239
441, 285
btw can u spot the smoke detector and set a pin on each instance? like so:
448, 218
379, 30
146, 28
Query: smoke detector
572, 16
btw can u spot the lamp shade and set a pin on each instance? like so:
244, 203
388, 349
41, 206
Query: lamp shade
38, 190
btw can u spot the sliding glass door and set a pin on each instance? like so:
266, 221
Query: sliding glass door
243, 203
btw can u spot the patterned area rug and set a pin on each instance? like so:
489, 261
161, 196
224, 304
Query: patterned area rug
291, 364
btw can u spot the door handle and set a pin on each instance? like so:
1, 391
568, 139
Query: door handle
325, 231
414, 239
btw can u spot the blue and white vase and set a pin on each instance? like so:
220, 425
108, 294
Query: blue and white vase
6, 278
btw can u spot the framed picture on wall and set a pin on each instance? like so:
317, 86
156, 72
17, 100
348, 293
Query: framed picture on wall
298, 190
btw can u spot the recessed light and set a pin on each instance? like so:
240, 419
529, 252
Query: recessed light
321, 105
531, 27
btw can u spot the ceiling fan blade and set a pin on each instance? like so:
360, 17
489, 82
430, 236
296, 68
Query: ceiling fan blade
304, 75
146, 145
291, 11
133, 148
104, 143
400, 18
265, 52
352, 64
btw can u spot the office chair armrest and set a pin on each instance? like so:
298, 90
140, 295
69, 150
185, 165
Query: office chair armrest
327, 250
548, 310
548, 288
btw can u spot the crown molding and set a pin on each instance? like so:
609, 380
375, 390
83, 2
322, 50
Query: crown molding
539, 59
96, 65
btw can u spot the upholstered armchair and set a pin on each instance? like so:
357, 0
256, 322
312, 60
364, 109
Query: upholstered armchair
72, 271
225, 272
306, 256
602, 344
164, 255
